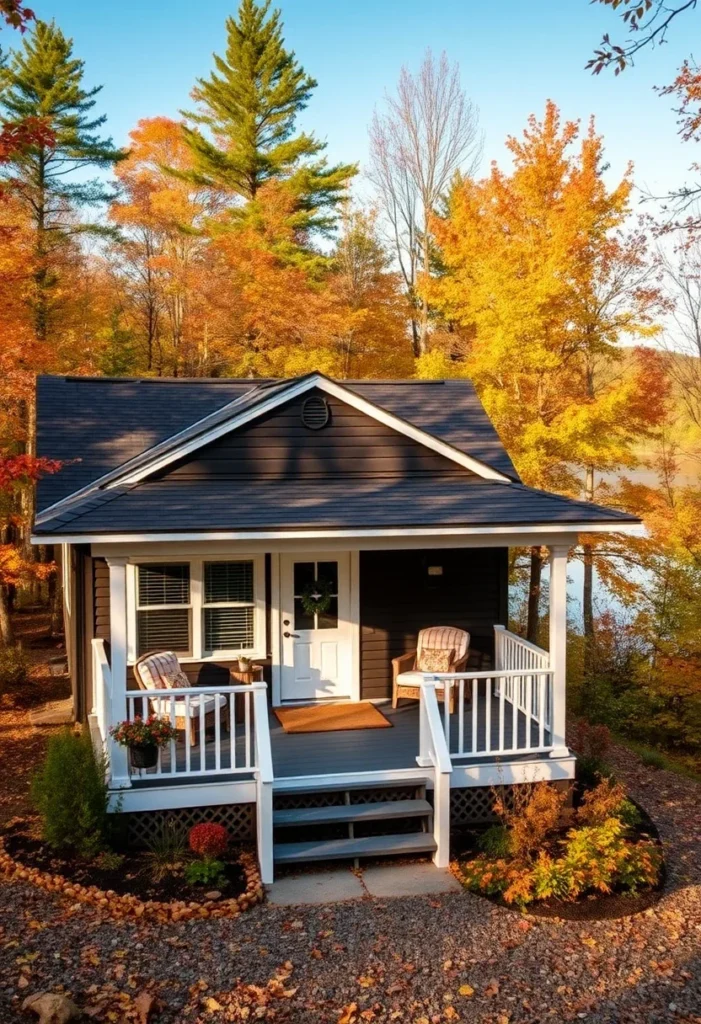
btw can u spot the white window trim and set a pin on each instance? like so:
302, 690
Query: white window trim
197, 606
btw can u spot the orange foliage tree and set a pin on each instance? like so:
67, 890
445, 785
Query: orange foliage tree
542, 281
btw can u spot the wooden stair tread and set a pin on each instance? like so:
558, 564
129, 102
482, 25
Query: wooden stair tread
368, 846
376, 811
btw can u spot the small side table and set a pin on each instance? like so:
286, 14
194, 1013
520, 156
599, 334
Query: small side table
254, 675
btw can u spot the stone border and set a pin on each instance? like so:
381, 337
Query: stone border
128, 906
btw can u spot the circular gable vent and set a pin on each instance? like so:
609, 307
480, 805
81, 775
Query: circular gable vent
315, 412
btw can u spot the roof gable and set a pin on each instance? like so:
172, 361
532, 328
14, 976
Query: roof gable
110, 430
279, 446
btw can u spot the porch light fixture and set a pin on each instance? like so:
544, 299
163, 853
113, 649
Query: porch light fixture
435, 570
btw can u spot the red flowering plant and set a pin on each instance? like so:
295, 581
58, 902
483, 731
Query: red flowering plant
208, 839
139, 732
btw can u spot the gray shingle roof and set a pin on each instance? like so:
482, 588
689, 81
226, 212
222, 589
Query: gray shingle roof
106, 422
193, 505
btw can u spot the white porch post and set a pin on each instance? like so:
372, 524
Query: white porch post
119, 762
558, 645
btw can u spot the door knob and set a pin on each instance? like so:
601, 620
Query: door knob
288, 635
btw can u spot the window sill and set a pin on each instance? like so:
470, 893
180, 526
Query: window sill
189, 659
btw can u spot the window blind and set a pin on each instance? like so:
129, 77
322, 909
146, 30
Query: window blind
164, 584
228, 582
228, 629
163, 629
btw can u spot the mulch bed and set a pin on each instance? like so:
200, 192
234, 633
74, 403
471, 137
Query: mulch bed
127, 892
130, 877
592, 906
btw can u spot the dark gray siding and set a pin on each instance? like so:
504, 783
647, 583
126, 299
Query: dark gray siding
398, 598
280, 447
101, 598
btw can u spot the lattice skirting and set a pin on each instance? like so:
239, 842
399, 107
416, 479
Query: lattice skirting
238, 819
473, 806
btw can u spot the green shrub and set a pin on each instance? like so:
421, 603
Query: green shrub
166, 849
653, 759
14, 668
205, 872
70, 794
495, 842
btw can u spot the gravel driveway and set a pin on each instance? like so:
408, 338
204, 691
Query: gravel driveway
416, 960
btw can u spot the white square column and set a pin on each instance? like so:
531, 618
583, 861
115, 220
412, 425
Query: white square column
558, 646
119, 760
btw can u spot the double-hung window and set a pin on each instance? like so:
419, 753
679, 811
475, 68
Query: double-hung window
163, 608
199, 608
228, 607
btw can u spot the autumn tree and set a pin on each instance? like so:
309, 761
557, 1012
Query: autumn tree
373, 306
542, 282
161, 254
427, 133
243, 132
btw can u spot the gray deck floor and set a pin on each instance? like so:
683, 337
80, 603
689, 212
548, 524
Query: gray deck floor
352, 751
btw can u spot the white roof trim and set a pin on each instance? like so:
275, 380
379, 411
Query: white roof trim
294, 391
634, 529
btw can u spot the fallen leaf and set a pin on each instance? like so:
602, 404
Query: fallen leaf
466, 990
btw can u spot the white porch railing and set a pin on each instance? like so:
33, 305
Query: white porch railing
504, 711
513, 653
224, 713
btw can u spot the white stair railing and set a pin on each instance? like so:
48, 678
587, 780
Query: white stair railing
434, 752
264, 783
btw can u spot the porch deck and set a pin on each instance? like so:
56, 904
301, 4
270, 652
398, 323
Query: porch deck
349, 752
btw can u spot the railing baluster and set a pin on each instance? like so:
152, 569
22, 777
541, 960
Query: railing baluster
202, 733
173, 748
247, 728
217, 733
188, 734
514, 721
502, 695
475, 707
529, 715
488, 715
461, 717
232, 730
447, 695
542, 683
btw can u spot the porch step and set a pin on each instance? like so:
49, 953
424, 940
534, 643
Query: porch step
296, 816
339, 849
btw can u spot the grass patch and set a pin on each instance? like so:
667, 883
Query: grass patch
652, 757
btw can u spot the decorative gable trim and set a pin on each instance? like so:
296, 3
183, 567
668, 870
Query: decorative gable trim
294, 390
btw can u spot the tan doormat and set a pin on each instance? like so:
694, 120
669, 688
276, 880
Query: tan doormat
332, 717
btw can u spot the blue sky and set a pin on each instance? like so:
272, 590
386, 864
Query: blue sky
513, 55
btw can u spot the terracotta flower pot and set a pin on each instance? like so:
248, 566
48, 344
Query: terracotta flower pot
144, 755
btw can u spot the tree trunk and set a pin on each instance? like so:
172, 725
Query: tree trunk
534, 588
6, 632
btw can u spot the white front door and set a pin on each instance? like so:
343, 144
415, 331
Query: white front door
316, 647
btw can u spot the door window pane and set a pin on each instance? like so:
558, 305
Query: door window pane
328, 572
329, 618
304, 575
302, 619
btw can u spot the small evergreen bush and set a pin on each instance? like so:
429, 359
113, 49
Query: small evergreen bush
70, 794
14, 668
653, 759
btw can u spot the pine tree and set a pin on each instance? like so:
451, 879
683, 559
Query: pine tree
248, 106
43, 80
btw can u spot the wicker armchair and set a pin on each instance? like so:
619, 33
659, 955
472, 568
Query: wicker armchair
405, 683
160, 670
